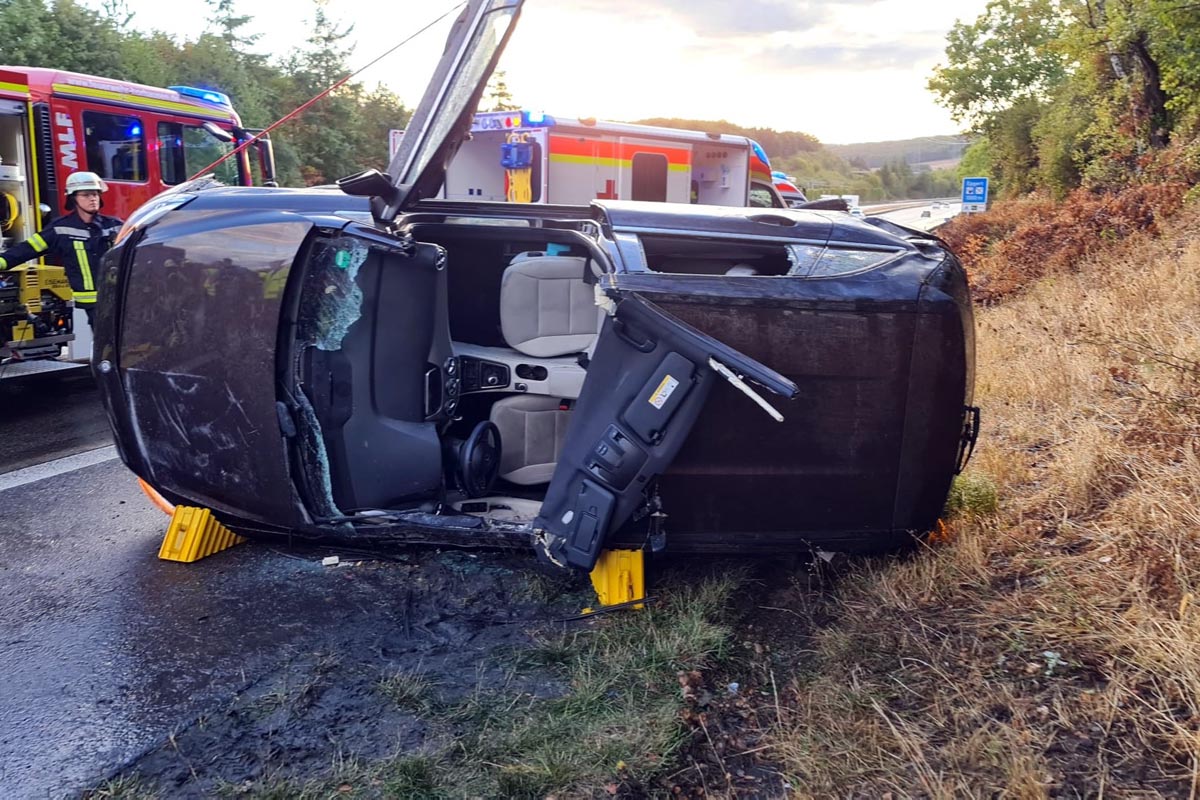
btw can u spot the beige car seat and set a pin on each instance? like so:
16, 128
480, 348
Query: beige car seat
547, 309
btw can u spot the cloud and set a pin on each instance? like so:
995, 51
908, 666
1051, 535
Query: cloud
857, 57
722, 18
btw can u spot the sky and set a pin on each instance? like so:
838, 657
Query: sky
844, 71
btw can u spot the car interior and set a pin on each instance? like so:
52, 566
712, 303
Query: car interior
471, 349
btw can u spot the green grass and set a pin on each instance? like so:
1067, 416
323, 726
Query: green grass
972, 495
409, 689
126, 787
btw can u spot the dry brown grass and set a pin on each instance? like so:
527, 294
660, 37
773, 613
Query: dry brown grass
1053, 647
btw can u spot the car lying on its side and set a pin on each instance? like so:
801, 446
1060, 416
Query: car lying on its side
373, 364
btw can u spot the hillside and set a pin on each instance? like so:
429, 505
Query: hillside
922, 150
775, 143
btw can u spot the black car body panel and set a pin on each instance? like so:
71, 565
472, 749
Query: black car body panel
647, 382
883, 360
195, 359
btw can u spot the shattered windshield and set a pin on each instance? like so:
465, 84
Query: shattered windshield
332, 298
455, 92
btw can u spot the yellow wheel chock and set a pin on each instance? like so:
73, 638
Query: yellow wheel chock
195, 533
619, 577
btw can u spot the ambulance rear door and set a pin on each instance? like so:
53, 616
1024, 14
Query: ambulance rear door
654, 170
721, 174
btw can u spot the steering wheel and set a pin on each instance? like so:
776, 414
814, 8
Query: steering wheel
479, 459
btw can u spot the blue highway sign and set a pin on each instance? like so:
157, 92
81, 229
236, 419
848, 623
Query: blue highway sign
974, 194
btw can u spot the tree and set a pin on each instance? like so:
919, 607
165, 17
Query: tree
323, 134
64, 36
228, 24
1009, 54
496, 96
1121, 30
380, 111
977, 161
1014, 153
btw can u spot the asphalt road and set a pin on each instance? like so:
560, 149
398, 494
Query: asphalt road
48, 417
911, 217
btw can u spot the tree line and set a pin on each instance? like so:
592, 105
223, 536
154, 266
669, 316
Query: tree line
341, 134
1077, 93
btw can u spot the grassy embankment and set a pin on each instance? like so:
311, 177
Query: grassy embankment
1053, 646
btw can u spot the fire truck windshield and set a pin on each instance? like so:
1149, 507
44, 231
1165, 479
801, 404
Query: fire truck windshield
184, 150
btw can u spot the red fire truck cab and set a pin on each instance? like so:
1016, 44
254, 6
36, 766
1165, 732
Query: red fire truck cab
140, 139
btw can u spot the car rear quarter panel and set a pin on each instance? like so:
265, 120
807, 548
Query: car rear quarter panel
867, 450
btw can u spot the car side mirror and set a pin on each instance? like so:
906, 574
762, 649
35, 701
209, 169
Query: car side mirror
217, 132
828, 204
373, 184
369, 183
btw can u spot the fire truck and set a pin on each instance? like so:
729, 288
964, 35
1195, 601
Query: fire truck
140, 139
528, 157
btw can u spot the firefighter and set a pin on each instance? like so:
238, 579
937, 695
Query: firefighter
75, 242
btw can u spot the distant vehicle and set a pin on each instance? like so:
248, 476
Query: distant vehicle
925, 213
379, 364
855, 211
792, 194
531, 157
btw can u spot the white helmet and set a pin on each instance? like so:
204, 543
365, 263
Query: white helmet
83, 182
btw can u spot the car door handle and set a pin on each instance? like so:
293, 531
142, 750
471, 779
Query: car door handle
773, 219
626, 333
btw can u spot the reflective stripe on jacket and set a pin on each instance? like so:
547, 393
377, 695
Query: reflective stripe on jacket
73, 244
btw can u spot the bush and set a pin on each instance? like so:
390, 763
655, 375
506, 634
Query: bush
1018, 242
972, 495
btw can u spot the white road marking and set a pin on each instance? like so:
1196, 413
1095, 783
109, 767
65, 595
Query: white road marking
59, 466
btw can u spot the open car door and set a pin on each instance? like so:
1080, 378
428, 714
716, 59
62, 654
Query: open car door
646, 383
442, 120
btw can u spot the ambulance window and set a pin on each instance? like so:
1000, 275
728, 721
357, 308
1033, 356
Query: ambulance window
115, 146
760, 197
184, 150
650, 177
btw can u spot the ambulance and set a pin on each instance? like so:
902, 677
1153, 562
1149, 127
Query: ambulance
529, 157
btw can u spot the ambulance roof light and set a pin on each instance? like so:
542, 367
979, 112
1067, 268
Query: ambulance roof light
536, 119
207, 95
758, 151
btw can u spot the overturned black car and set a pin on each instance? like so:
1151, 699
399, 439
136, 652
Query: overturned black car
373, 364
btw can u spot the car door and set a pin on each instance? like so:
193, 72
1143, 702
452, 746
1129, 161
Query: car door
646, 382
442, 120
